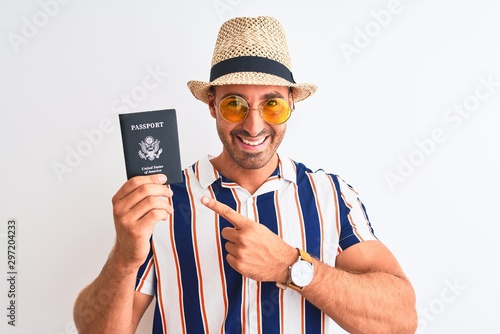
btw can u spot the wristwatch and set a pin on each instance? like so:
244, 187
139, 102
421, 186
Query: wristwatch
301, 273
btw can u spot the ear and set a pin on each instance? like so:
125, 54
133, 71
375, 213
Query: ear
291, 100
211, 105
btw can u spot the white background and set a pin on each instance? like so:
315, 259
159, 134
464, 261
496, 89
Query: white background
67, 74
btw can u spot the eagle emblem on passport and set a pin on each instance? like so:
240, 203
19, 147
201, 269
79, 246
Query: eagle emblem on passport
150, 148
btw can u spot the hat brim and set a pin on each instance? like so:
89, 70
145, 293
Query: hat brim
201, 89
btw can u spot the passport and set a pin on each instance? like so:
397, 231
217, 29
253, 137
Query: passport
151, 144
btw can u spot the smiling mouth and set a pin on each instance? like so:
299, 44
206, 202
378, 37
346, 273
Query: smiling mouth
253, 143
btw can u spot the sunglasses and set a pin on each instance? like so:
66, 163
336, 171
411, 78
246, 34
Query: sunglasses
235, 109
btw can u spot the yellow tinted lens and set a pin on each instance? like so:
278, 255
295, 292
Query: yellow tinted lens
233, 109
276, 111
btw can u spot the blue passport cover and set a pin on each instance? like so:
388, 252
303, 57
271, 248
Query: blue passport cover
151, 144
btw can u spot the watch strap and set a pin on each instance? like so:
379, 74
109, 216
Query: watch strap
305, 256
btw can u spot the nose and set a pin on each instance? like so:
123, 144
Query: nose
254, 123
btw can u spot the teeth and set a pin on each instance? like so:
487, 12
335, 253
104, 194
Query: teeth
253, 143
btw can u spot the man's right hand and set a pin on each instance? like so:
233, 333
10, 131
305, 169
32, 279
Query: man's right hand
138, 205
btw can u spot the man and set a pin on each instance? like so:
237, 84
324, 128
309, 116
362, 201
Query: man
250, 242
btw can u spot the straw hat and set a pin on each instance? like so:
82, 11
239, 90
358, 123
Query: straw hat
251, 51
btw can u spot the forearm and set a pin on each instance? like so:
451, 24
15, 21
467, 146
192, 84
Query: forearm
374, 302
106, 305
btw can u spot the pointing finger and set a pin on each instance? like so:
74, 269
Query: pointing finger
238, 220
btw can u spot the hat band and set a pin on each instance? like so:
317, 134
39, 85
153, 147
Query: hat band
250, 64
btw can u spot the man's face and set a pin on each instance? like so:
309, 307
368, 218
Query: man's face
252, 142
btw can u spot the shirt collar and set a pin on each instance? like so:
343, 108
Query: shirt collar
207, 174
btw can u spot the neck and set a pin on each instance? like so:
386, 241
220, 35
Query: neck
249, 179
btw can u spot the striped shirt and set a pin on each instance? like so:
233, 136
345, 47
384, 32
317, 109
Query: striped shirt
195, 288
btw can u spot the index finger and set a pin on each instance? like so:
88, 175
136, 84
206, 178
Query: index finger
137, 181
238, 220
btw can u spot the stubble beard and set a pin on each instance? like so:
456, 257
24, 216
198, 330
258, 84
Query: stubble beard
248, 160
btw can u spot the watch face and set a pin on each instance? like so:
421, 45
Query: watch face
302, 273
